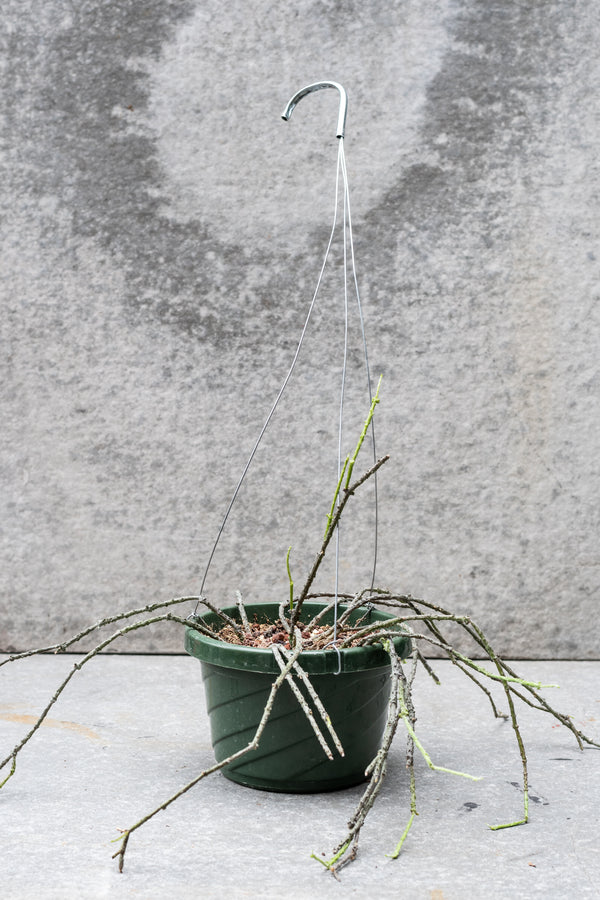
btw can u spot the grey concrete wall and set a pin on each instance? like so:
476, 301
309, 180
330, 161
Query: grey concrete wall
162, 235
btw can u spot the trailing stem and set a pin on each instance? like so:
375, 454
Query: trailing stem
401, 706
406, 611
406, 702
280, 655
166, 617
120, 854
376, 770
110, 620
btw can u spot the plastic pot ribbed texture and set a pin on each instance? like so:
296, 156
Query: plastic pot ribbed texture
237, 681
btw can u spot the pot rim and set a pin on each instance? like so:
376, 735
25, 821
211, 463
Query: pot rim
256, 659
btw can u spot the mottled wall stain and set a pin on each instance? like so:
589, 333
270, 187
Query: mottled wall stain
148, 325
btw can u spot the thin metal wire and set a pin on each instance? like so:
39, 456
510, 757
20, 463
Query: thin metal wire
348, 242
283, 386
367, 368
342, 394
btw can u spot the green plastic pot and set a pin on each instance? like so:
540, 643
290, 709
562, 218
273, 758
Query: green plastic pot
237, 681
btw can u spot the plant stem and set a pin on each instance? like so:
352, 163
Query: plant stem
318, 703
166, 617
331, 512
363, 433
110, 620
120, 854
12, 769
398, 847
289, 574
346, 494
376, 769
303, 704
239, 600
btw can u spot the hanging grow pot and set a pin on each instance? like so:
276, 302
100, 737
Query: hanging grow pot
237, 682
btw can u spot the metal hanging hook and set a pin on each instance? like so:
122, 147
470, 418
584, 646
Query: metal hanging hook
318, 86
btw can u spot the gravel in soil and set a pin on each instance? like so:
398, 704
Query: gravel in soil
265, 634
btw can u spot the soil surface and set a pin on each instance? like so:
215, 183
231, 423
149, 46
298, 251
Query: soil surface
265, 634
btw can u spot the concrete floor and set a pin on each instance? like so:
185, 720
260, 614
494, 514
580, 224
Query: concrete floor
130, 730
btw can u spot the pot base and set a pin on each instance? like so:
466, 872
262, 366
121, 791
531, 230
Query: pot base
289, 758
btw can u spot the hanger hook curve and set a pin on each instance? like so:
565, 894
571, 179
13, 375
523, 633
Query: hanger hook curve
318, 86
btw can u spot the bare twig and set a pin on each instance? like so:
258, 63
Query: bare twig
376, 769
426, 665
110, 620
166, 617
221, 614
120, 854
242, 611
407, 703
302, 702
408, 610
302, 675
345, 496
